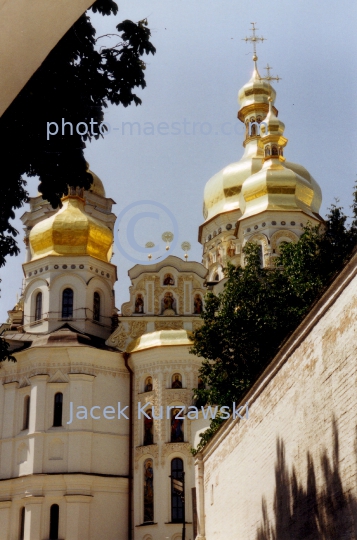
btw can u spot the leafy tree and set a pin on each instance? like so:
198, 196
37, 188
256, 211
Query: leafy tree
244, 326
75, 82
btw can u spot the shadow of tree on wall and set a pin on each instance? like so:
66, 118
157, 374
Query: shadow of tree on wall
304, 513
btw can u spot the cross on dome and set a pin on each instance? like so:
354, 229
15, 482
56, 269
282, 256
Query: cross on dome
269, 77
254, 39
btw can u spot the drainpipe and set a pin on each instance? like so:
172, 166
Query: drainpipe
126, 357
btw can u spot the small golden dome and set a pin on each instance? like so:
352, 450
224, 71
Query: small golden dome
279, 185
97, 186
71, 232
160, 338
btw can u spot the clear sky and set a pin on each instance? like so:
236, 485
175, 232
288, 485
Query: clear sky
200, 64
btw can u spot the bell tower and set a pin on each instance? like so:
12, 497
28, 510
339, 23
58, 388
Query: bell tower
68, 273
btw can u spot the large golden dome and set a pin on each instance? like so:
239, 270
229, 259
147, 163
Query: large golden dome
71, 232
225, 192
222, 191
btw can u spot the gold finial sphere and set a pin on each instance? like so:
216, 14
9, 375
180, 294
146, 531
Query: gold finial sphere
255, 58
270, 99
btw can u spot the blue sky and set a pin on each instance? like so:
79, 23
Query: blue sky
200, 64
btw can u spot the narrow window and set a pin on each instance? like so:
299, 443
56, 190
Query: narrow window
57, 411
38, 307
148, 491
26, 417
22, 523
148, 429
177, 434
261, 256
96, 307
67, 303
176, 500
54, 519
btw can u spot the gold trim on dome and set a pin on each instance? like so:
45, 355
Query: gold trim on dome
229, 192
271, 191
254, 107
256, 91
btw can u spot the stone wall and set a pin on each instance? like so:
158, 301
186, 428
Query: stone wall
289, 471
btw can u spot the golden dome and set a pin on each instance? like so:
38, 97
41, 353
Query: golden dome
279, 185
97, 186
225, 192
71, 232
222, 191
160, 338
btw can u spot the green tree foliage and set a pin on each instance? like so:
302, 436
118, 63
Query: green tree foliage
76, 82
244, 326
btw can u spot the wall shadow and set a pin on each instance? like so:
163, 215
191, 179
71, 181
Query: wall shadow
304, 512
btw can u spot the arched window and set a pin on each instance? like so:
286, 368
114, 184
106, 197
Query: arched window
22, 523
197, 304
148, 429
148, 384
54, 521
148, 491
96, 307
216, 277
177, 426
267, 151
26, 418
274, 151
176, 381
38, 306
67, 304
57, 410
139, 304
176, 501
169, 279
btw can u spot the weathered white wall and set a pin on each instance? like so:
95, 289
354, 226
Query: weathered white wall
83, 466
289, 471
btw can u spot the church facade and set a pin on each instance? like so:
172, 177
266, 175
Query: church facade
92, 430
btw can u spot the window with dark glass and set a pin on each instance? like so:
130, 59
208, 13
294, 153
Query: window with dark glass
57, 412
22, 523
67, 303
26, 417
54, 520
96, 307
176, 502
38, 307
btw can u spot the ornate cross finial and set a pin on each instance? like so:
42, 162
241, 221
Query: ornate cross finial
254, 39
269, 77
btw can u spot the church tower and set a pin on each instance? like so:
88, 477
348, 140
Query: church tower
64, 445
262, 197
68, 274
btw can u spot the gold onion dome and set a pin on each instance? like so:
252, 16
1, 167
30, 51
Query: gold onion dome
224, 191
279, 185
71, 231
97, 186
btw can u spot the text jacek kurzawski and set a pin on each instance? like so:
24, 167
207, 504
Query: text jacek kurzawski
191, 412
